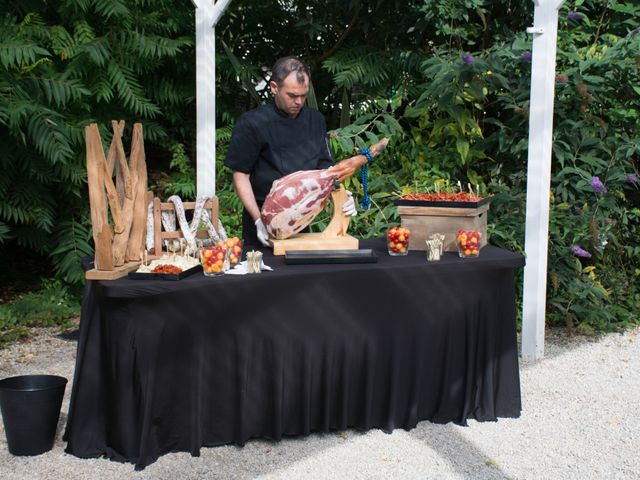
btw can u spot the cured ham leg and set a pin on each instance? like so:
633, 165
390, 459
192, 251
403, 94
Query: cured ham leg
295, 200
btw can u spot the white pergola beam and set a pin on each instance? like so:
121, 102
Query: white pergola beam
543, 73
207, 15
545, 31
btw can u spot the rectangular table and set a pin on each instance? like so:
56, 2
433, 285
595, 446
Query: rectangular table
173, 366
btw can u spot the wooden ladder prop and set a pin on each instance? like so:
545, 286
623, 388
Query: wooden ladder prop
160, 235
118, 247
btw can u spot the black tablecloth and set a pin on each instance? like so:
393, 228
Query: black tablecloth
172, 366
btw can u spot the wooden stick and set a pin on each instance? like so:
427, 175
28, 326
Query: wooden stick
123, 172
118, 128
137, 236
100, 225
112, 196
121, 240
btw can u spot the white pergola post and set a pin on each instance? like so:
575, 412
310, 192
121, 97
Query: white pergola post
207, 15
543, 73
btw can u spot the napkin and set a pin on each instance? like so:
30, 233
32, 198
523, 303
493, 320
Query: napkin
241, 269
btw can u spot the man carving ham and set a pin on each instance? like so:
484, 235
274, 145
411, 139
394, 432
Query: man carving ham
278, 139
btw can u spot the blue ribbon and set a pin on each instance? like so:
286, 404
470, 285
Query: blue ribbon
364, 176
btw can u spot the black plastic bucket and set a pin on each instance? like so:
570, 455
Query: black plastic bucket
30, 406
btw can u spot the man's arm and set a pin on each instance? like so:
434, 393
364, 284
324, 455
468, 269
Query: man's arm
245, 193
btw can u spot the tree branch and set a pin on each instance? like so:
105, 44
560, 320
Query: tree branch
342, 38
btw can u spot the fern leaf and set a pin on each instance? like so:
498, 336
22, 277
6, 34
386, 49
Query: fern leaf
5, 232
45, 130
71, 243
83, 33
111, 8
60, 91
130, 91
16, 54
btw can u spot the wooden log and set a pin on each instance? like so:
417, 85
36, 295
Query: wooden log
121, 240
157, 227
112, 196
137, 162
102, 234
118, 128
124, 182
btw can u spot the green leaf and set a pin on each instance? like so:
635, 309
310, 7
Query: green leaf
462, 146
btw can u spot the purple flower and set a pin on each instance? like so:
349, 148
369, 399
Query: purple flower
526, 56
597, 185
467, 58
631, 178
580, 252
575, 17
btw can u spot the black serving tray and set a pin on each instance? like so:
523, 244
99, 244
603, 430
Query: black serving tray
164, 276
298, 257
437, 203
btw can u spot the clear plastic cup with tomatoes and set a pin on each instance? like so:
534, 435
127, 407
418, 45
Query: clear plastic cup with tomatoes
398, 241
234, 245
212, 259
468, 243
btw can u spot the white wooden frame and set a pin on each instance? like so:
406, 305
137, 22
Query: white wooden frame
208, 13
545, 32
543, 74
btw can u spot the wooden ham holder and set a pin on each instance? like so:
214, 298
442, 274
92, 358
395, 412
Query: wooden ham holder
334, 237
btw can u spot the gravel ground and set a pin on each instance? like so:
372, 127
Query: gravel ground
579, 421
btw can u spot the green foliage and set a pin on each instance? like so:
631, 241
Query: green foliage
379, 68
54, 304
471, 121
468, 121
62, 67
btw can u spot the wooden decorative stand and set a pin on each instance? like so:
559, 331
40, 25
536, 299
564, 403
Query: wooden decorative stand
118, 246
334, 237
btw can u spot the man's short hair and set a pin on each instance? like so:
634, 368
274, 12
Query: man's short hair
287, 65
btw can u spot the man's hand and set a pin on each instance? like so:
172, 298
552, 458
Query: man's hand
349, 207
263, 236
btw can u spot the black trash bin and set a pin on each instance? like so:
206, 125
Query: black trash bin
30, 406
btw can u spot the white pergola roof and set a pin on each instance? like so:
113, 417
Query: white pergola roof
545, 32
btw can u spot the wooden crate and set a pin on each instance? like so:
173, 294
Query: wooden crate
425, 221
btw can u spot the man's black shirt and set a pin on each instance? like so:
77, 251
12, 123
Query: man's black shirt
267, 144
